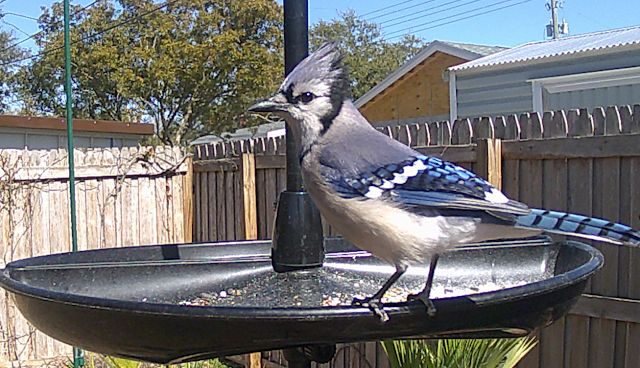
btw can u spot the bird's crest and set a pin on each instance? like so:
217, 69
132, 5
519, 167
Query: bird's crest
323, 67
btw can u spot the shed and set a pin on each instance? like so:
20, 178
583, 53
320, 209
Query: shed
584, 71
20, 132
416, 92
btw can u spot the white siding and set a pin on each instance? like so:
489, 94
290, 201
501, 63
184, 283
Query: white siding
590, 98
506, 91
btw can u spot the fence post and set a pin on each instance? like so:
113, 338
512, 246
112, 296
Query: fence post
248, 167
489, 161
187, 197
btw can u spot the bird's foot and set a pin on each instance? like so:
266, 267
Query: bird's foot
375, 305
424, 298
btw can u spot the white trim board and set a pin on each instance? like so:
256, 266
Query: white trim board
582, 81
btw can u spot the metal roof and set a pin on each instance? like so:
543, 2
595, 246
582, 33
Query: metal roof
600, 42
465, 51
261, 131
480, 50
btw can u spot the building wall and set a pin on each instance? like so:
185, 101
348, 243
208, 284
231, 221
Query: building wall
421, 92
506, 91
628, 94
38, 139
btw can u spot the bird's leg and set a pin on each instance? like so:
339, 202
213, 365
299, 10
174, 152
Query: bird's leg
375, 302
424, 294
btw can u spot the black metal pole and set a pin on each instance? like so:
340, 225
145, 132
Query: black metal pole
297, 234
296, 48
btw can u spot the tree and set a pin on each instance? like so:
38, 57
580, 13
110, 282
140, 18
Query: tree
368, 56
10, 54
190, 67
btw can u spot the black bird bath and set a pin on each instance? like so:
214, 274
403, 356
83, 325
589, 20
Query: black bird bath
176, 303
165, 304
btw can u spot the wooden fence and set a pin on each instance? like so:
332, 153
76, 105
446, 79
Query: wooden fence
124, 197
577, 161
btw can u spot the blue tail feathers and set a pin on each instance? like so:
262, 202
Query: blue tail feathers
581, 226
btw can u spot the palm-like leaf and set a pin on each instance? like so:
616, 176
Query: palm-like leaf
457, 353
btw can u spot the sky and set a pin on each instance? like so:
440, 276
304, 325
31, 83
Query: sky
488, 22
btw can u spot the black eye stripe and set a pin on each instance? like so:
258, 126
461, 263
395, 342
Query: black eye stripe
306, 97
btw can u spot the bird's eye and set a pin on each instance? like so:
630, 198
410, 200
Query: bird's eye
306, 97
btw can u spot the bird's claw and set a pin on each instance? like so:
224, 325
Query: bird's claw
431, 308
376, 306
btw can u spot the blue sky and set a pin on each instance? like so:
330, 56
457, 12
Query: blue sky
519, 21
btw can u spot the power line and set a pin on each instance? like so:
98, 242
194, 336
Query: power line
96, 33
14, 26
40, 32
425, 10
401, 10
448, 17
457, 20
19, 15
386, 7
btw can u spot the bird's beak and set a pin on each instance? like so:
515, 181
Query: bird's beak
271, 104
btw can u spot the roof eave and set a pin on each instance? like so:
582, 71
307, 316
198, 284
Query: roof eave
461, 70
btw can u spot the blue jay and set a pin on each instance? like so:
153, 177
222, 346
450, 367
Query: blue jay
402, 206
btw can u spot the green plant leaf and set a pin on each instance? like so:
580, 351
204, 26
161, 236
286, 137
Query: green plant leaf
458, 353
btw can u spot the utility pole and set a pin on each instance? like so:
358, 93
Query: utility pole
554, 17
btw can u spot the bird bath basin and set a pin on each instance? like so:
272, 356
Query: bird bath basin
175, 303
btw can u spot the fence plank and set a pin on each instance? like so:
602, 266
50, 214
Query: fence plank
230, 208
249, 196
512, 128
483, 128
221, 198
489, 161
462, 132
583, 126
635, 126
534, 128
499, 127
239, 225
576, 352
206, 196
626, 119
612, 122
403, 135
598, 121
422, 135
555, 124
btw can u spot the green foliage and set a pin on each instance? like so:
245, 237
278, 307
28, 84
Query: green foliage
457, 353
101, 361
368, 56
8, 69
121, 363
190, 68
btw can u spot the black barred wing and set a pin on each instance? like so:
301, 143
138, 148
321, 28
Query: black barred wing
429, 182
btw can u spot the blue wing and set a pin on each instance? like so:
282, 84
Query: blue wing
423, 181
